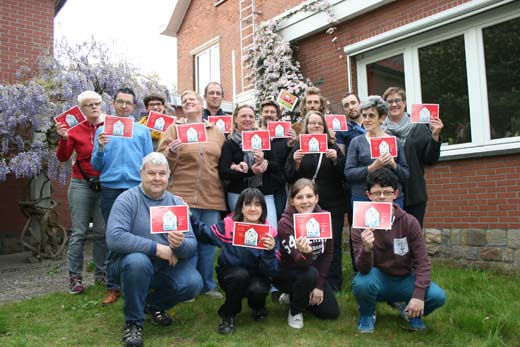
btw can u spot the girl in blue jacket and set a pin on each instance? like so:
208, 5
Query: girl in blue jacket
242, 271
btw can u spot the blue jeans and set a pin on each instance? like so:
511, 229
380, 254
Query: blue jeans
136, 273
85, 206
205, 252
108, 197
269, 200
378, 286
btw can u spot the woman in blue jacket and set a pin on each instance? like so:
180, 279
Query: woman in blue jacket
242, 271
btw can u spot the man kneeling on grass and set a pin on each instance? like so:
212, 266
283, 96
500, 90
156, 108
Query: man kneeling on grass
140, 260
393, 264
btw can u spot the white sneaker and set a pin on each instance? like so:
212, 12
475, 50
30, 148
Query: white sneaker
295, 321
284, 299
214, 293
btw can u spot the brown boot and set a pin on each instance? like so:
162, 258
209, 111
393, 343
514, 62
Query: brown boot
111, 297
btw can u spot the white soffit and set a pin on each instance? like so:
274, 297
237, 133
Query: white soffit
305, 24
173, 26
451, 15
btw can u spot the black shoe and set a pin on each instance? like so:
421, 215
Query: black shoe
227, 325
159, 317
133, 335
260, 314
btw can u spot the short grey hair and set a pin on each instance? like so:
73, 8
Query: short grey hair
377, 102
88, 95
155, 158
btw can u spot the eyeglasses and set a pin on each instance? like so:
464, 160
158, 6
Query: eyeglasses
386, 193
124, 103
396, 101
92, 104
153, 104
316, 124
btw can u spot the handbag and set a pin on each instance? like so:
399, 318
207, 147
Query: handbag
93, 182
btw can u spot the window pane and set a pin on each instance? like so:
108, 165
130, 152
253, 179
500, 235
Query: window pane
385, 73
502, 52
444, 82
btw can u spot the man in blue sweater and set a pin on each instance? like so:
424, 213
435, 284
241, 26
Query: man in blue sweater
118, 160
139, 260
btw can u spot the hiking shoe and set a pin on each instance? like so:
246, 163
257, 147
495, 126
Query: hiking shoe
133, 335
366, 324
260, 314
414, 324
159, 317
284, 299
214, 293
295, 321
76, 286
227, 325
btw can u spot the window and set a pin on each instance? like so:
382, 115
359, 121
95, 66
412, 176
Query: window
207, 67
502, 51
444, 82
469, 67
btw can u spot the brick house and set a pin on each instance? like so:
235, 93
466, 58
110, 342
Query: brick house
458, 53
26, 31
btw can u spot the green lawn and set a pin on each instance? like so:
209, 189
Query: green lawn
482, 309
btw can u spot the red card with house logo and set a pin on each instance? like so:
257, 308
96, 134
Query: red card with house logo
313, 143
382, 145
278, 129
164, 219
223, 123
287, 100
158, 121
256, 139
336, 122
424, 113
375, 215
191, 132
250, 235
316, 225
119, 126
70, 118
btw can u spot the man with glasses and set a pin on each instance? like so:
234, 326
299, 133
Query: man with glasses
393, 265
422, 145
213, 94
156, 103
118, 160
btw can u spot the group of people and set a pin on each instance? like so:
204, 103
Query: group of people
154, 272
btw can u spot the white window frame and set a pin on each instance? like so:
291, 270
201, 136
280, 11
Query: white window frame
212, 49
471, 29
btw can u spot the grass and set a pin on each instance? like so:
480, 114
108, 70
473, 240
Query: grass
482, 309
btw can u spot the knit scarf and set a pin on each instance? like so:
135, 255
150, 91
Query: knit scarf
400, 129
254, 181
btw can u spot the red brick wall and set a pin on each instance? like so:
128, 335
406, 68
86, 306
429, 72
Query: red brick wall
203, 21
319, 57
479, 193
26, 31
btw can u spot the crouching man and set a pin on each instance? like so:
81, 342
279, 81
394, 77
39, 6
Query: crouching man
140, 261
393, 264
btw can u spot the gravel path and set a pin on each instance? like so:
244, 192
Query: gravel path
21, 279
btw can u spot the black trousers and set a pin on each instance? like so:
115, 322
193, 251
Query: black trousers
299, 283
335, 276
237, 282
417, 211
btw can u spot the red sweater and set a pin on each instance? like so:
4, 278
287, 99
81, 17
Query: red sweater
81, 139
322, 250
405, 231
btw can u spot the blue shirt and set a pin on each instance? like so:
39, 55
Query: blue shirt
119, 162
345, 137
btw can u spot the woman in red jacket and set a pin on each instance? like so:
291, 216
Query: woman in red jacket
305, 262
84, 202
